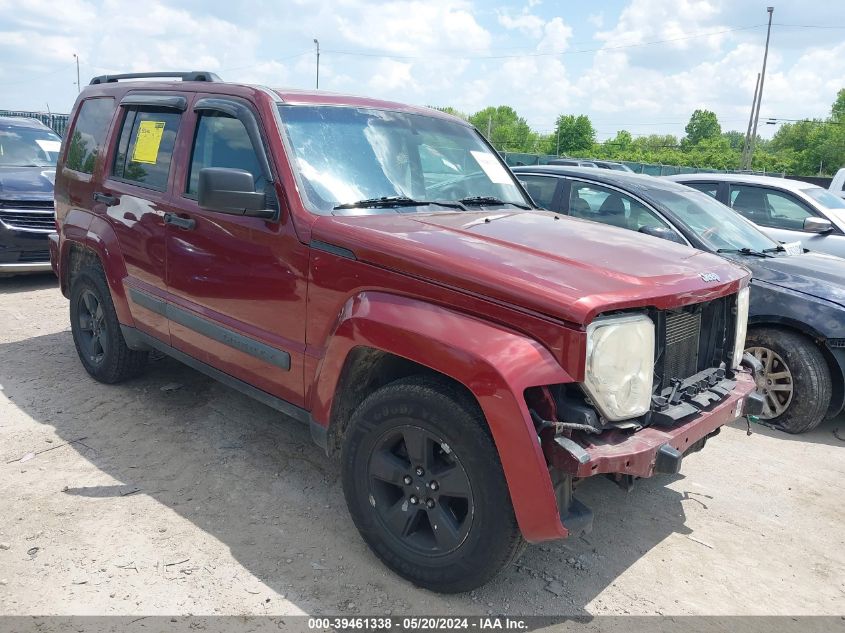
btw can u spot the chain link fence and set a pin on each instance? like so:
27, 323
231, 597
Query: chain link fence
58, 122
515, 159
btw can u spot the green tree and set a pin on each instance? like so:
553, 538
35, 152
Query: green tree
735, 139
572, 135
452, 111
505, 129
702, 124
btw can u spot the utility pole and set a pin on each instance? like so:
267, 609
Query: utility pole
489, 127
750, 123
78, 86
317, 43
753, 140
557, 153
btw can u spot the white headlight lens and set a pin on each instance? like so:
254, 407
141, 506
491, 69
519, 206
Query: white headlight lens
741, 326
620, 365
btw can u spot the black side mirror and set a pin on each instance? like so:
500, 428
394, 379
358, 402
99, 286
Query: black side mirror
663, 233
231, 191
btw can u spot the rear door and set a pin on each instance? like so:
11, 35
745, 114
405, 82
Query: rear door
237, 283
136, 195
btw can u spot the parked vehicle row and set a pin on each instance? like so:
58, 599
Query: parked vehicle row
797, 313
28, 152
376, 271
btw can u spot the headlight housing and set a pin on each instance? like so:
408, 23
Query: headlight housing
741, 326
620, 365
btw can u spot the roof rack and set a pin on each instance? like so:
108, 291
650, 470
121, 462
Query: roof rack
194, 75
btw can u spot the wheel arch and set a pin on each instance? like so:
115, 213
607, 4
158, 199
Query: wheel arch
381, 337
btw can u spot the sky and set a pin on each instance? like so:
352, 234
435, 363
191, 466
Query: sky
640, 65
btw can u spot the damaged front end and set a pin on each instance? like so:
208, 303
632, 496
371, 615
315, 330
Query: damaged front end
695, 390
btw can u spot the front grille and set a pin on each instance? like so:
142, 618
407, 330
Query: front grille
36, 219
680, 356
34, 256
694, 338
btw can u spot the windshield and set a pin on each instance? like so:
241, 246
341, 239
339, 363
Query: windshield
28, 147
825, 198
346, 155
716, 225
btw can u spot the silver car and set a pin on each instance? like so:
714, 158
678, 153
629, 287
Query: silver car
786, 210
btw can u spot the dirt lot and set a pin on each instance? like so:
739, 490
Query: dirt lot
181, 496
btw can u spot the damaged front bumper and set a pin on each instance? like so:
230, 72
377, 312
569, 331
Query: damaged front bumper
654, 449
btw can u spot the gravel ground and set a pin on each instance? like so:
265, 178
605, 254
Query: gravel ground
172, 494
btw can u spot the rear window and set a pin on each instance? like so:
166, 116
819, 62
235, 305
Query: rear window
89, 134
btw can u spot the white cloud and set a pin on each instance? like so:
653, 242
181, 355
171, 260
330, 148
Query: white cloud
596, 19
525, 22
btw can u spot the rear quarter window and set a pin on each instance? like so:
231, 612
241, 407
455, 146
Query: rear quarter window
88, 136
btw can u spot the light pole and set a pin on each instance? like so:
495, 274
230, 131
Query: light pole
78, 87
751, 142
317, 43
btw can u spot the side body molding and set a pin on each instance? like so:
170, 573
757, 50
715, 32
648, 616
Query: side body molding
494, 363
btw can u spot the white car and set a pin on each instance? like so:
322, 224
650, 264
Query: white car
786, 210
837, 185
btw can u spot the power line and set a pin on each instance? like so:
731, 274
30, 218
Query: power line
551, 54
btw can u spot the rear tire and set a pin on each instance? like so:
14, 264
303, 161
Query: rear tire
96, 330
796, 383
425, 487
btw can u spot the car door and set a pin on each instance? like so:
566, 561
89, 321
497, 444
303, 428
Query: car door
781, 215
136, 195
237, 283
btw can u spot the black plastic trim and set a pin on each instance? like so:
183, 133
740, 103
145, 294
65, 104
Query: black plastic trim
291, 410
235, 340
334, 250
172, 102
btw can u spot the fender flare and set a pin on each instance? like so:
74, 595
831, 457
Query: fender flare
90, 231
494, 363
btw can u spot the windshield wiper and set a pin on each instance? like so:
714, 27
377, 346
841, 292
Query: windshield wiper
745, 251
489, 201
396, 201
777, 249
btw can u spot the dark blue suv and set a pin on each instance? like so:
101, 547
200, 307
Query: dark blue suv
28, 153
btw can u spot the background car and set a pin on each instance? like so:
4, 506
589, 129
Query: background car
797, 313
837, 185
573, 162
786, 210
28, 153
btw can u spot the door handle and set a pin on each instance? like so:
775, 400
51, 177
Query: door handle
105, 198
183, 223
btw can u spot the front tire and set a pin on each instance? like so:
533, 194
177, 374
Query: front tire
96, 330
425, 487
795, 383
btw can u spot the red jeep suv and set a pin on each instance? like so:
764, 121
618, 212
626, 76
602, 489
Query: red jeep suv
374, 270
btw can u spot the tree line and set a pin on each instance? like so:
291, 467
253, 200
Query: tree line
801, 148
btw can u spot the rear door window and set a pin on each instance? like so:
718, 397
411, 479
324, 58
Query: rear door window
89, 134
541, 189
145, 147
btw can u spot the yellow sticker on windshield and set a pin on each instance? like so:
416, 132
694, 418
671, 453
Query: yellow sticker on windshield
147, 142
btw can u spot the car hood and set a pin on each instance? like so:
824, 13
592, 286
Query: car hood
27, 183
564, 267
815, 274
